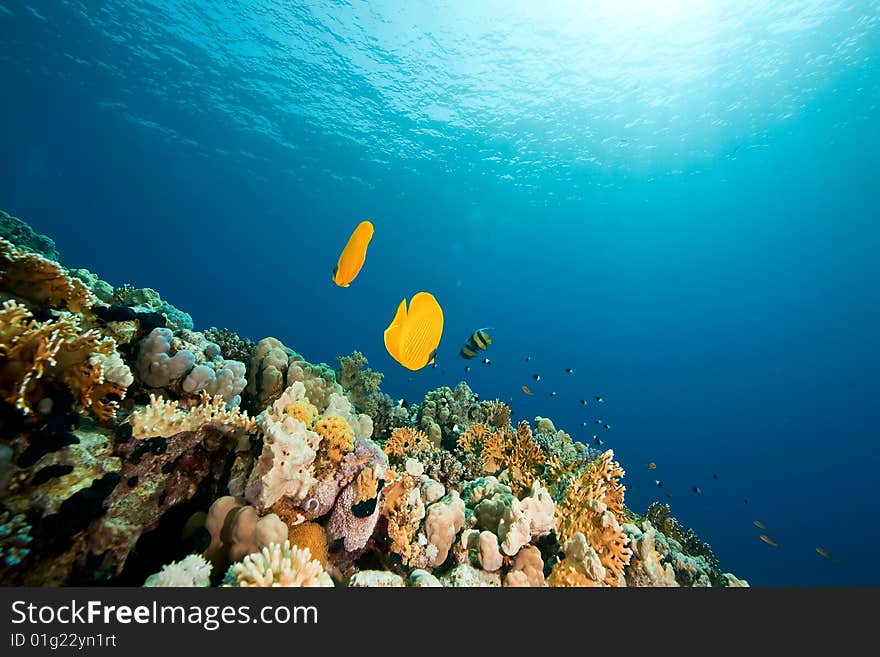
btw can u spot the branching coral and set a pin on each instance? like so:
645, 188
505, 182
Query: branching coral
41, 281
515, 452
162, 417
279, 565
593, 505
192, 571
581, 567
358, 380
34, 354
474, 438
406, 442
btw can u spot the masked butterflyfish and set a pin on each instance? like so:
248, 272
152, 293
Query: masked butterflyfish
413, 335
353, 255
477, 341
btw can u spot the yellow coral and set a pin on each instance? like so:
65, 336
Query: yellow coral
61, 351
474, 437
517, 452
338, 437
405, 441
310, 535
167, 418
367, 485
403, 515
564, 575
38, 279
304, 411
593, 505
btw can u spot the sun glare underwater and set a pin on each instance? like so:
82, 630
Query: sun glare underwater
653, 223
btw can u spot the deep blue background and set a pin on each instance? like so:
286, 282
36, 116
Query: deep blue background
726, 310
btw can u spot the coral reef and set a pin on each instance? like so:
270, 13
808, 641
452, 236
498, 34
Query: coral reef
189, 364
37, 356
593, 506
231, 345
19, 233
38, 280
163, 418
147, 300
693, 560
136, 449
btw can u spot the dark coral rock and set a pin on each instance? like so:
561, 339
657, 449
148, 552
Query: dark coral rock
167, 474
50, 472
114, 313
54, 533
41, 444
231, 345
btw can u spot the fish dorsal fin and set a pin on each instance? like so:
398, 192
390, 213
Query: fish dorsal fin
394, 331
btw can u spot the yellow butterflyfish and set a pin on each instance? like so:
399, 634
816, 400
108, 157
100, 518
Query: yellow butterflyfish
353, 255
413, 336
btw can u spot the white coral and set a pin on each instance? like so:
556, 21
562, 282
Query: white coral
155, 366
540, 509
279, 565
192, 571
284, 468
340, 406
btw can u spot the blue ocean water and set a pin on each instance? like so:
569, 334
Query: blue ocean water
678, 200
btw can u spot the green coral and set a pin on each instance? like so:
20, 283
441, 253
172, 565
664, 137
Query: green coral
356, 378
15, 538
694, 556
24, 237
